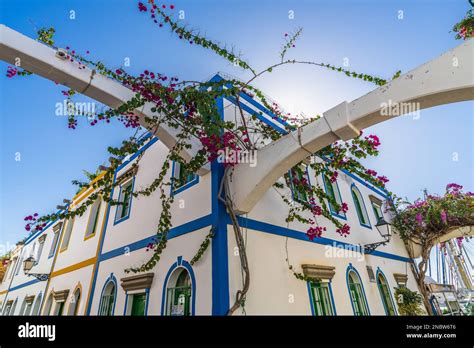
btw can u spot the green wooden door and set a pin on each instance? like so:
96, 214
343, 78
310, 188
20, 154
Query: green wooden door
138, 304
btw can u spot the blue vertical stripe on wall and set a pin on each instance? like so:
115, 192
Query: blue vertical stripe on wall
220, 268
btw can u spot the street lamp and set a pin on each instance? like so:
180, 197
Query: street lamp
28, 265
385, 230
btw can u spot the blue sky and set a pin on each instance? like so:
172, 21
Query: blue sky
415, 154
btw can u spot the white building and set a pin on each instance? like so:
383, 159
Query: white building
87, 269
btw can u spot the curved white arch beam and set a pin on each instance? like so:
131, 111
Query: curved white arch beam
446, 79
42, 60
454, 233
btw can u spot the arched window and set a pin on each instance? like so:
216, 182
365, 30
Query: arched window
8, 307
23, 306
12, 312
93, 218
299, 184
48, 305
385, 295
107, 301
37, 306
75, 300
360, 206
179, 293
332, 190
356, 292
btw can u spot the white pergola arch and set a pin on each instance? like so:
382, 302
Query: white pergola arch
446, 79
42, 60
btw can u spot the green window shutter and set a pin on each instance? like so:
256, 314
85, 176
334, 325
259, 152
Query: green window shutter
321, 299
126, 200
385, 294
358, 207
377, 211
357, 295
330, 191
138, 304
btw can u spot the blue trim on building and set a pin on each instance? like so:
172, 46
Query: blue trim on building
361, 198
31, 282
180, 263
147, 292
220, 259
33, 236
173, 233
379, 272
253, 102
377, 190
349, 269
126, 303
295, 234
136, 154
332, 297
257, 115
310, 294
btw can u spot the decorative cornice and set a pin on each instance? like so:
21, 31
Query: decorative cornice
137, 282
400, 278
318, 272
29, 299
57, 227
61, 296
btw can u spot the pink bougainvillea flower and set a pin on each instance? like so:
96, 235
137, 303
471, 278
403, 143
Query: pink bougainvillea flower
11, 71
419, 219
453, 188
344, 230
142, 7
383, 179
371, 172
444, 216
315, 232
